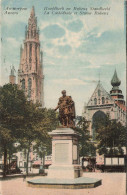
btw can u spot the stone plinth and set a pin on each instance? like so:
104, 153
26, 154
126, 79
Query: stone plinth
65, 155
65, 171
77, 183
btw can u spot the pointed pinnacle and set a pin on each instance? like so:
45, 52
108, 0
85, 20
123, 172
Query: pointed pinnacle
32, 12
115, 80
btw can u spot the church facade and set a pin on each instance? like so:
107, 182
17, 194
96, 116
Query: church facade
30, 72
103, 103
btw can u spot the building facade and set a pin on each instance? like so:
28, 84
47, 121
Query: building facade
103, 103
30, 72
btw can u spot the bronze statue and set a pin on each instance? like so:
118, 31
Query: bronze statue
66, 110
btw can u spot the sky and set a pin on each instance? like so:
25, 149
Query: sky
78, 49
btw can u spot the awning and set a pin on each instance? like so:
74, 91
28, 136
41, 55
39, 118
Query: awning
37, 162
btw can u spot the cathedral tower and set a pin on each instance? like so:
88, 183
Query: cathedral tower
30, 73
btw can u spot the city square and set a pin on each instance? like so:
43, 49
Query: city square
112, 184
63, 100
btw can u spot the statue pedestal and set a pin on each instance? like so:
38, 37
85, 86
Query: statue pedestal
65, 171
65, 155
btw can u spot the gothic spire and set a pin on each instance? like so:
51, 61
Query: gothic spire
32, 12
12, 77
30, 73
115, 82
12, 73
32, 25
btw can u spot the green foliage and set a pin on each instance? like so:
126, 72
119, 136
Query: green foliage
12, 109
111, 137
49, 122
87, 148
22, 121
12, 103
37, 122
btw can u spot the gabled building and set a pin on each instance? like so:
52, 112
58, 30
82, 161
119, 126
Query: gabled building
102, 103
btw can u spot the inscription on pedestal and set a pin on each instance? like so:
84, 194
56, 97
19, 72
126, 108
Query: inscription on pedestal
62, 153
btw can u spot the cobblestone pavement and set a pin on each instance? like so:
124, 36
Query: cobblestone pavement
112, 184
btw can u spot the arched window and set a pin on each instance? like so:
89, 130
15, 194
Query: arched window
23, 84
95, 101
31, 33
29, 87
107, 100
36, 55
99, 92
99, 118
103, 100
30, 52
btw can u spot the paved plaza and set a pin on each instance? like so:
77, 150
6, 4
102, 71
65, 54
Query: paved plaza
112, 184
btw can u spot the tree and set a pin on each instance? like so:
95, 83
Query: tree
22, 121
111, 137
37, 122
87, 148
12, 107
43, 145
28, 132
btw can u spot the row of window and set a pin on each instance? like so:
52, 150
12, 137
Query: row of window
29, 86
103, 100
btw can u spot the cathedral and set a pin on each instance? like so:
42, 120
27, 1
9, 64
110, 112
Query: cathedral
103, 103
30, 72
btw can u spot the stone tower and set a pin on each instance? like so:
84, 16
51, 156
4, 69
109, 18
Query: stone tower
12, 77
116, 93
30, 73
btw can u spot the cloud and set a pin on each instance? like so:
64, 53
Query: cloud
99, 34
103, 43
93, 66
53, 31
13, 42
64, 49
49, 45
75, 26
57, 35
